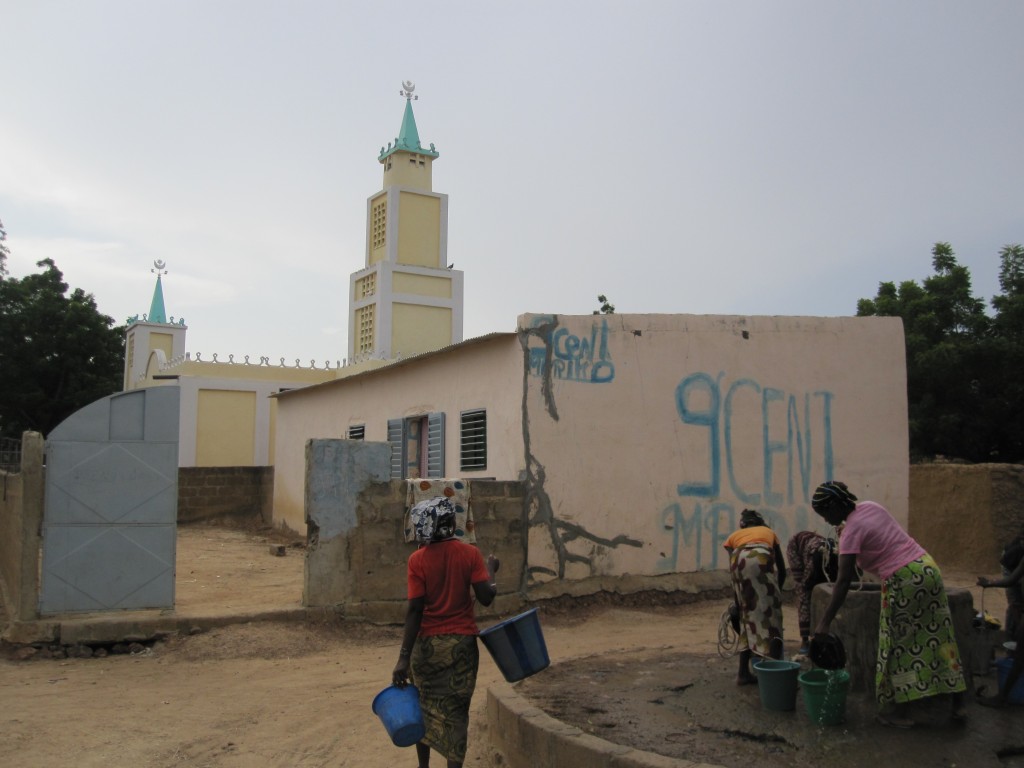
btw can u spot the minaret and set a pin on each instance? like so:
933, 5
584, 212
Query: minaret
152, 336
407, 299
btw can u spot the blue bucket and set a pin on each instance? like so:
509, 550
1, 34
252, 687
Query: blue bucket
517, 646
1003, 667
399, 710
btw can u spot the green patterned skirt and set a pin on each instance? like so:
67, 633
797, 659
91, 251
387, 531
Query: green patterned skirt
444, 670
917, 652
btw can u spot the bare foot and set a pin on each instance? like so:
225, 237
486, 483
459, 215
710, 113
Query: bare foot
746, 680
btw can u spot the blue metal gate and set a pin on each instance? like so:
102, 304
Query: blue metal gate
110, 514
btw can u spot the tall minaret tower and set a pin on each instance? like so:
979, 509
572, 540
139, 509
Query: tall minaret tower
152, 336
407, 299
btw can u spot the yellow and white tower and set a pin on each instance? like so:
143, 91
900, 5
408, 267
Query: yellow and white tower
407, 299
152, 337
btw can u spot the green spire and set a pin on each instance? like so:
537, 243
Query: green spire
156, 309
408, 137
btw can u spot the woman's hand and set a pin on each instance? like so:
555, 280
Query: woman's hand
400, 675
983, 581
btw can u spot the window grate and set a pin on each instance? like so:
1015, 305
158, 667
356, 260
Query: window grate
474, 439
357, 432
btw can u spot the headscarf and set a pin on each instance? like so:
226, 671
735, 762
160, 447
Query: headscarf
433, 520
750, 517
833, 493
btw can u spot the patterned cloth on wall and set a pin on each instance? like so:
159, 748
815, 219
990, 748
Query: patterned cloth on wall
457, 491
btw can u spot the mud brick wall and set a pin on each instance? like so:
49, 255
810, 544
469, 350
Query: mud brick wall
231, 495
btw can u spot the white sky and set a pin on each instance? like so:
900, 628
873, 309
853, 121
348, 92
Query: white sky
700, 157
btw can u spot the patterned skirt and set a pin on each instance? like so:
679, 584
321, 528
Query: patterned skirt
756, 588
806, 571
444, 670
917, 652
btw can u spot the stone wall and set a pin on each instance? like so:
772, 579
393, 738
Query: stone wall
225, 494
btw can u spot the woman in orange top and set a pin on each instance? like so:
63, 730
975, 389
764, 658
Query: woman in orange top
758, 573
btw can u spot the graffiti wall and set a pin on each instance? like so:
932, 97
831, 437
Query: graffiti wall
647, 435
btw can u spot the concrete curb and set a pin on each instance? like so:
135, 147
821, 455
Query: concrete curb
137, 626
527, 737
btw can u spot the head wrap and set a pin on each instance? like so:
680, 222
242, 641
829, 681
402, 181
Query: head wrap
749, 517
433, 519
833, 493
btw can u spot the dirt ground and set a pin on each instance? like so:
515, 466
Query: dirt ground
298, 693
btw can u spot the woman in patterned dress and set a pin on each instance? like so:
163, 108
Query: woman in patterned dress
918, 655
439, 646
758, 571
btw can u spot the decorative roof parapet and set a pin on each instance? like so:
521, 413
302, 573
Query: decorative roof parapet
408, 139
264, 362
145, 319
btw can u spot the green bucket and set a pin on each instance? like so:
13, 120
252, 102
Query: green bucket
825, 695
776, 680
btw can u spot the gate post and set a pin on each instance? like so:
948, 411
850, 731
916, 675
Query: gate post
33, 481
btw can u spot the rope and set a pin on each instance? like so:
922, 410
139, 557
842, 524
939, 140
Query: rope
826, 556
728, 638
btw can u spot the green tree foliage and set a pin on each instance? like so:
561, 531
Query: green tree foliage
607, 308
4, 251
963, 390
59, 352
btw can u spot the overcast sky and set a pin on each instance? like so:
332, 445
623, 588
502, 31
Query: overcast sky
748, 158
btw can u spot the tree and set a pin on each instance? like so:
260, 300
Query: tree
59, 353
607, 308
4, 251
962, 390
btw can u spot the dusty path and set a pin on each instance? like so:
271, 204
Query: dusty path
287, 694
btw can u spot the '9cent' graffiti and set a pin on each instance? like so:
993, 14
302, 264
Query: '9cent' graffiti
793, 445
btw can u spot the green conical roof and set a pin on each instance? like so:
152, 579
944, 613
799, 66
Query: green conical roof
408, 138
157, 314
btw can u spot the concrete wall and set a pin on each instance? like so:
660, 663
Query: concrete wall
640, 438
21, 519
225, 494
478, 374
356, 555
648, 434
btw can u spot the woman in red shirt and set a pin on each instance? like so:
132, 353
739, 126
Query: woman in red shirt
440, 628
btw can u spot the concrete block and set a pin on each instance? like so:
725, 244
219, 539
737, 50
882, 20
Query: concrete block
639, 759
586, 749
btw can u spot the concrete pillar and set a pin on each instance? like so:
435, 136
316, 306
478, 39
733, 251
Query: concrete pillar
33, 483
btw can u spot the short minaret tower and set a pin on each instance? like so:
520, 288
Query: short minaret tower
152, 341
407, 299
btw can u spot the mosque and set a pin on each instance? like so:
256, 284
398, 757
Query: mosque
405, 300
638, 438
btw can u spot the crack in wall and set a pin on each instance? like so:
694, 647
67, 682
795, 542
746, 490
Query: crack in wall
537, 507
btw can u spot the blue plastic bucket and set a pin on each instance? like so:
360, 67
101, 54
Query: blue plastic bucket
399, 710
776, 680
517, 646
825, 695
1016, 696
